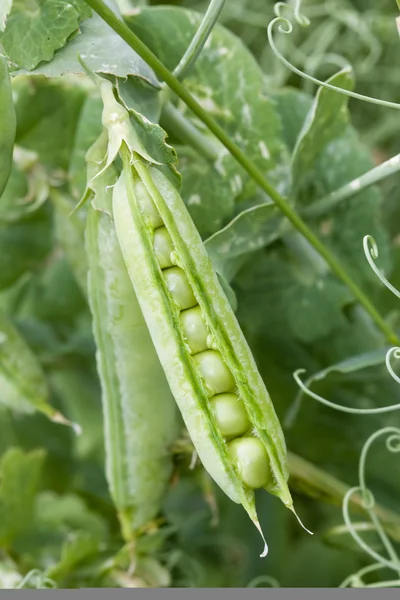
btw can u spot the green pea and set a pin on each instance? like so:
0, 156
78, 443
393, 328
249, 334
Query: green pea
179, 287
216, 374
230, 414
163, 247
251, 459
194, 329
147, 208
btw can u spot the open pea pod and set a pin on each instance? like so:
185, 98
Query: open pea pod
207, 361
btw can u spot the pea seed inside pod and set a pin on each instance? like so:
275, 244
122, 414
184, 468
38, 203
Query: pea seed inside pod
251, 460
194, 329
163, 247
147, 208
216, 374
179, 287
230, 414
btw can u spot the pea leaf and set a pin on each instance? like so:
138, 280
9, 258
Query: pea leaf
69, 232
144, 105
250, 230
80, 400
87, 131
202, 184
326, 120
102, 50
55, 296
139, 97
27, 188
281, 293
327, 155
36, 29
77, 549
67, 513
353, 364
292, 106
4, 12
23, 245
46, 107
23, 386
19, 479
343, 229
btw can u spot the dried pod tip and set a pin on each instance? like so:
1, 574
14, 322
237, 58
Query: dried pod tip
57, 417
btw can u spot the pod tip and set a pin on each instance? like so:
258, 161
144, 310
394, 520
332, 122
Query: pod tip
57, 417
265, 551
300, 521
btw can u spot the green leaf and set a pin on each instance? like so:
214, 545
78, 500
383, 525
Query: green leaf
88, 129
47, 117
80, 400
292, 106
8, 123
250, 230
102, 50
280, 293
68, 512
23, 245
77, 549
4, 12
208, 198
144, 105
23, 386
140, 97
344, 228
69, 233
353, 364
27, 188
326, 121
55, 295
19, 479
37, 28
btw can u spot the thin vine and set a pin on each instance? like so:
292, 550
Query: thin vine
286, 27
392, 560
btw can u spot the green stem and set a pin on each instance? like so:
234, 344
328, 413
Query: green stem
255, 173
308, 479
175, 121
324, 206
196, 45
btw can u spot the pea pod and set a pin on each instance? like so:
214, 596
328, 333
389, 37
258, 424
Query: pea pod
226, 366
140, 417
8, 124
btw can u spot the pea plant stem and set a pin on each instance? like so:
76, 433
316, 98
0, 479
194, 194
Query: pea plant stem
175, 121
325, 205
314, 481
196, 45
253, 171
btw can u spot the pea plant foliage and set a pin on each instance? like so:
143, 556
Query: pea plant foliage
199, 305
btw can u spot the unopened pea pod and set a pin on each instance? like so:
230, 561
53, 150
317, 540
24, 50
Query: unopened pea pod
8, 124
229, 364
140, 417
